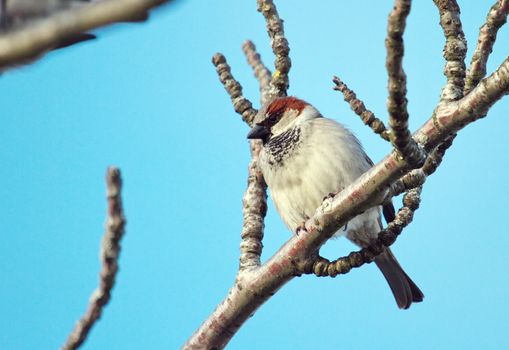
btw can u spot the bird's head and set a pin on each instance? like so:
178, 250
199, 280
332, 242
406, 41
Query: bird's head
280, 115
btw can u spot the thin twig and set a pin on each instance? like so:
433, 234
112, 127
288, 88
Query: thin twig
110, 251
497, 17
280, 47
400, 135
242, 105
261, 72
367, 116
27, 43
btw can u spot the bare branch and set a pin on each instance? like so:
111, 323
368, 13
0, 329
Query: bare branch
3, 14
412, 185
254, 210
322, 267
261, 72
454, 51
253, 287
367, 117
31, 41
256, 283
282, 64
417, 177
400, 135
110, 251
496, 18
452, 116
242, 105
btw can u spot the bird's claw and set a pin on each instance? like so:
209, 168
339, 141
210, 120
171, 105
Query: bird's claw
301, 227
330, 195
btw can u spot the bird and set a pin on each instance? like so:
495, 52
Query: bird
305, 158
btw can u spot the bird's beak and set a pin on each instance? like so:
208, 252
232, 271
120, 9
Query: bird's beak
258, 132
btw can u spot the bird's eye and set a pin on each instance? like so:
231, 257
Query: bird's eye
272, 119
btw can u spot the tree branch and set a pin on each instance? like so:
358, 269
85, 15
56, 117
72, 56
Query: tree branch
110, 251
31, 41
496, 18
261, 72
3, 14
242, 105
411, 183
400, 135
254, 211
455, 49
322, 267
252, 288
367, 117
280, 47
257, 283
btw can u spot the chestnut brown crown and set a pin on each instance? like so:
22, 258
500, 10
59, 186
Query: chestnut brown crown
277, 110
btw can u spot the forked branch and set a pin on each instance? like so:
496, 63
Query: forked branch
496, 18
256, 283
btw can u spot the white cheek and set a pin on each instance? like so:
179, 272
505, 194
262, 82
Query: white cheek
288, 120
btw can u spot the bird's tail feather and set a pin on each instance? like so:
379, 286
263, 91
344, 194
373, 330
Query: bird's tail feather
404, 289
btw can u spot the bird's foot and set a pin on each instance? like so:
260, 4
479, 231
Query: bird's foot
330, 195
301, 227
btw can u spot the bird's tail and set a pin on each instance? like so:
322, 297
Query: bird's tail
404, 289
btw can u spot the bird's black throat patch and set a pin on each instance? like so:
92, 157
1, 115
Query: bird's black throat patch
280, 146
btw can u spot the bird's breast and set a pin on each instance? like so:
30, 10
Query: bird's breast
325, 161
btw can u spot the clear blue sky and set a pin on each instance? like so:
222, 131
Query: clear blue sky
146, 98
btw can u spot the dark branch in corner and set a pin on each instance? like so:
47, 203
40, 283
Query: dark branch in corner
110, 251
34, 40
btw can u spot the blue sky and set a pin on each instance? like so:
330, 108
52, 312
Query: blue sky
146, 98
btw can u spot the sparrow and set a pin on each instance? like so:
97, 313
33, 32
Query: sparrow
305, 157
